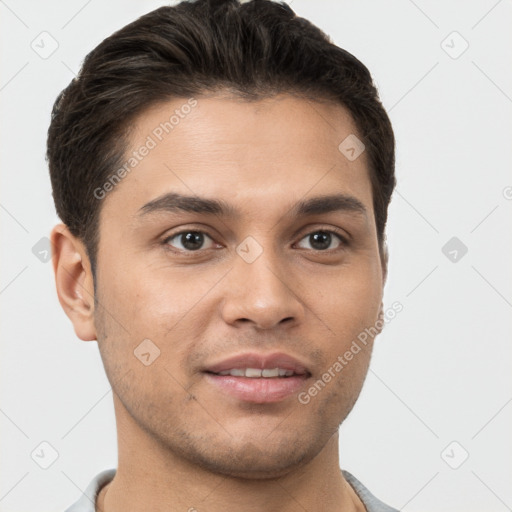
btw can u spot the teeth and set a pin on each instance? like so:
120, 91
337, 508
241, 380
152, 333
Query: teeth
255, 373
235, 372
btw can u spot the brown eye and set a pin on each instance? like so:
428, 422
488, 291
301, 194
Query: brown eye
188, 240
322, 240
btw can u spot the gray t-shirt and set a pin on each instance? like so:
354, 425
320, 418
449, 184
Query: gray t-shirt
87, 502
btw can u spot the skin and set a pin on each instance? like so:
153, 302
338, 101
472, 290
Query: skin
181, 443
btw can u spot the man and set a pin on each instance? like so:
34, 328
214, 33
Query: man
223, 173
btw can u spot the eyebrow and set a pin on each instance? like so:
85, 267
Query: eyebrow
173, 202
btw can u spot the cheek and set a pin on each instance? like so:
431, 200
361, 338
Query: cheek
165, 307
350, 301
146, 297
134, 329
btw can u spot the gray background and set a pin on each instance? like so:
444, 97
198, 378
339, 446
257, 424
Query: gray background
442, 369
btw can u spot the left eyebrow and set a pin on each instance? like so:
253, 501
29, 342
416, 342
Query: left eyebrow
329, 203
174, 202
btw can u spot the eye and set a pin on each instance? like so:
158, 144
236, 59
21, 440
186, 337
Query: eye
322, 239
188, 241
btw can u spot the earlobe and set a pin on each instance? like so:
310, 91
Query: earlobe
74, 281
380, 322
385, 260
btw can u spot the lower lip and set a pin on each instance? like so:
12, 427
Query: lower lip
258, 390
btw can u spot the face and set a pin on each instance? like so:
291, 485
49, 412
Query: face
268, 267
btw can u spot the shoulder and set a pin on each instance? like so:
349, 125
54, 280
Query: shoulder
371, 503
87, 502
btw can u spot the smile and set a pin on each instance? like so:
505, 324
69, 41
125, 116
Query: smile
255, 373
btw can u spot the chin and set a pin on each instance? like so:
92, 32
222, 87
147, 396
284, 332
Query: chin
260, 469
253, 460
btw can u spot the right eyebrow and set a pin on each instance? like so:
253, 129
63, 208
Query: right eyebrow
174, 202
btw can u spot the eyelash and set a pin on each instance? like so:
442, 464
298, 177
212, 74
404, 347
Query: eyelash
343, 241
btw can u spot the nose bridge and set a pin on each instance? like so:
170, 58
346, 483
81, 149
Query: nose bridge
258, 289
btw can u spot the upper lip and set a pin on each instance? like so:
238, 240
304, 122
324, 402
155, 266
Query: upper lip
260, 361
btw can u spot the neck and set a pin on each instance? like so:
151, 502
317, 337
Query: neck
151, 477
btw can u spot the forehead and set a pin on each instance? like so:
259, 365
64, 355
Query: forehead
246, 153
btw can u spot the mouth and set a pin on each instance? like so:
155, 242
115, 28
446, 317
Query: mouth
258, 378
256, 373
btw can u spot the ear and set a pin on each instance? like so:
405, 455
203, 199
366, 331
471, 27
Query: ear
74, 281
385, 260
379, 324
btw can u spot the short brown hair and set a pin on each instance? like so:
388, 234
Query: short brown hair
256, 50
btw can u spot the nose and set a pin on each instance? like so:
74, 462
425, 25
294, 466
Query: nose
261, 293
